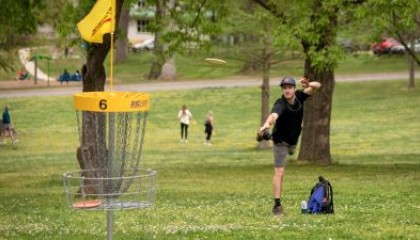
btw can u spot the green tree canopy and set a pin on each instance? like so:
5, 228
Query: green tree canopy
17, 23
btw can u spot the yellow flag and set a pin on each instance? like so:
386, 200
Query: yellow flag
98, 21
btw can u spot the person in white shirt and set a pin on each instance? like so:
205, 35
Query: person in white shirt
184, 116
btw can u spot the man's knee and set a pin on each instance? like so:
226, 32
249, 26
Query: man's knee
291, 149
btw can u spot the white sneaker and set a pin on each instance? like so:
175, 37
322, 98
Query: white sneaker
186, 140
16, 141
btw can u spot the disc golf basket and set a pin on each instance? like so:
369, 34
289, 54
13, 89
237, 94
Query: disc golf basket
111, 129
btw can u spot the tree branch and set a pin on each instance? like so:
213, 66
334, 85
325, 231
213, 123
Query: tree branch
409, 50
347, 2
203, 3
402, 41
272, 8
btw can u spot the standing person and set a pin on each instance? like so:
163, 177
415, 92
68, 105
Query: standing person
286, 115
66, 52
184, 116
65, 76
7, 126
208, 127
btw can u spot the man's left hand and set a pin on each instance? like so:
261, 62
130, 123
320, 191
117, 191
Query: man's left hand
304, 82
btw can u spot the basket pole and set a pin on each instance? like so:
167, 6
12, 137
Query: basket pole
110, 225
111, 138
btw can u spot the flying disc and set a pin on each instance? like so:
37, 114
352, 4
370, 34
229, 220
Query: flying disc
215, 61
87, 204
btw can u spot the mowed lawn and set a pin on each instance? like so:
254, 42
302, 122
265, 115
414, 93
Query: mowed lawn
223, 191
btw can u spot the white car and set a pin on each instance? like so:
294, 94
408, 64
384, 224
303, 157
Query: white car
398, 49
147, 44
416, 45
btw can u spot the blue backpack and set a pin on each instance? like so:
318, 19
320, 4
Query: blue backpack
321, 198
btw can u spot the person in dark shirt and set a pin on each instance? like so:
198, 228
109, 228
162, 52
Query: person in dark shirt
286, 116
65, 76
7, 126
209, 127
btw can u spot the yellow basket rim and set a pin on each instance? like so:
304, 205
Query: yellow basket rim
112, 101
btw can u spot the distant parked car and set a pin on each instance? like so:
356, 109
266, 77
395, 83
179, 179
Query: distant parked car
352, 45
416, 46
348, 45
388, 46
148, 44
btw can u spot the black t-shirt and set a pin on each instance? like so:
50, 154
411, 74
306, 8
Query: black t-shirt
289, 123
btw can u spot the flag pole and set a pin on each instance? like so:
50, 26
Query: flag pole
111, 61
112, 45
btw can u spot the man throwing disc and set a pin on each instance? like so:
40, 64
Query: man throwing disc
286, 115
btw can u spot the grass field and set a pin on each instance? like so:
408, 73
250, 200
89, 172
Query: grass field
223, 191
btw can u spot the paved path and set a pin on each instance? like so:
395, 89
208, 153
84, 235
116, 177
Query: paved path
27, 88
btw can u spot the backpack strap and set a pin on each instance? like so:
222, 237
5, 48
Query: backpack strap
331, 200
325, 184
328, 194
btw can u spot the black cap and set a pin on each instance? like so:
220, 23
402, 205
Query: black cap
288, 80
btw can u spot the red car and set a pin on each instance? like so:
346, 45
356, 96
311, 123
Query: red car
388, 46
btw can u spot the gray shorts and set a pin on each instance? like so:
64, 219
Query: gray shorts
280, 151
7, 126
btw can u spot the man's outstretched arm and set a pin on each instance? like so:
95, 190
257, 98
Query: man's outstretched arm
271, 119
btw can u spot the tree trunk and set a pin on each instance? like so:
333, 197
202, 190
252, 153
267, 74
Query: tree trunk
92, 152
159, 51
265, 101
121, 43
168, 71
159, 58
411, 66
265, 88
315, 140
411, 72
